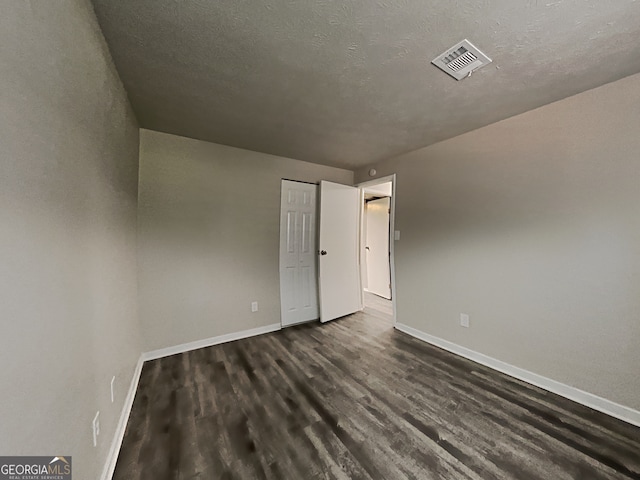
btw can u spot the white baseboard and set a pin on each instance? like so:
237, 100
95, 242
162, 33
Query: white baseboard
590, 400
114, 450
208, 342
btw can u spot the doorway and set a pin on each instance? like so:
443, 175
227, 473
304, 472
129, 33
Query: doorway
377, 239
323, 255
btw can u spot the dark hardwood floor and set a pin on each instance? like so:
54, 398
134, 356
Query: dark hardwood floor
355, 399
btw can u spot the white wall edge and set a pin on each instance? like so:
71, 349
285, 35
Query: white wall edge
208, 342
590, 400
116, 443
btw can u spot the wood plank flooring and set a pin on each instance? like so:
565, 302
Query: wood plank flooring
355, 399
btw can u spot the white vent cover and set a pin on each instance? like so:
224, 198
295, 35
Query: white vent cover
461, 59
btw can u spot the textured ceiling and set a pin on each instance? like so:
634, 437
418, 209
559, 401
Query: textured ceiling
346, 83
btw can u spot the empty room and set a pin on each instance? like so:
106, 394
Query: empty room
319, 240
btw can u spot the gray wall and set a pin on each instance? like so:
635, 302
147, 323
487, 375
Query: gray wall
531, 226
68, 189
209, 221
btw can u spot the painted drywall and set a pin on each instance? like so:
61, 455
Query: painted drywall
68, 196
531, 227
209, 220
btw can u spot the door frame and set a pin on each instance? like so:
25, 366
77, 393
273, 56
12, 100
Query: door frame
392, 217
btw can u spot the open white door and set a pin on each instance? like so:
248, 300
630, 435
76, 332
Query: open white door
338, 248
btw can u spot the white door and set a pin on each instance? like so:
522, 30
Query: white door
377, 247
340, 291
298, 278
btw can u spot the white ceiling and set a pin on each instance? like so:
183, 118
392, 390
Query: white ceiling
347, 83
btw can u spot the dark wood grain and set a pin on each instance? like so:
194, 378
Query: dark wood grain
355, 399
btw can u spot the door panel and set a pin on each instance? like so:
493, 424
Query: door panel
307, 287
308, 239
340, 291
298, 284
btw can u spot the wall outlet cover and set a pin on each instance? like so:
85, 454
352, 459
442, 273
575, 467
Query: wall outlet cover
464, 320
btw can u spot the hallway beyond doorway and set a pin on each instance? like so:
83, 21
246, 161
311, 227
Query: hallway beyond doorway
378, 306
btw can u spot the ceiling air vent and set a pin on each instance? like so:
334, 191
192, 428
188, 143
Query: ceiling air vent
461, 59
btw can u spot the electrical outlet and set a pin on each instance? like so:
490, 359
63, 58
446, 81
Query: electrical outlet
254, 306
464, 320
112, 387
96, 428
